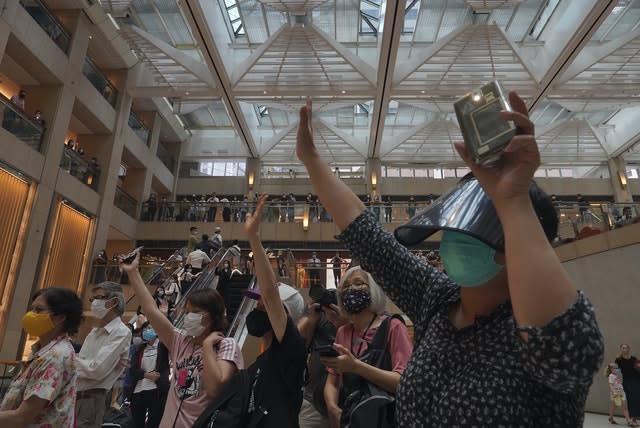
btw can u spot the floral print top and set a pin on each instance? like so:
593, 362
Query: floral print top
483, 374
50, 374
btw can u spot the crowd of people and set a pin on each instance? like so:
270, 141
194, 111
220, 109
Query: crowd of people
503, 338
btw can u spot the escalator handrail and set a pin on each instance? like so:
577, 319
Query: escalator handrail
176, 256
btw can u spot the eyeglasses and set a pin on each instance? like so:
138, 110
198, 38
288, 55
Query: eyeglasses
91, 299
357, 283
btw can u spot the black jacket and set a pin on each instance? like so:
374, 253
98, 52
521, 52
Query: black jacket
162, 367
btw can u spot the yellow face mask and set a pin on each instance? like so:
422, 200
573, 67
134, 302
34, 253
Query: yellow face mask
37, 324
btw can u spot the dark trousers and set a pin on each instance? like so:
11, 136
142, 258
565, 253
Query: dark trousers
147, 401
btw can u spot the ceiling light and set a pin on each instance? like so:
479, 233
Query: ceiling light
343, 91
422, 92
186, 93
476, 97
265, 92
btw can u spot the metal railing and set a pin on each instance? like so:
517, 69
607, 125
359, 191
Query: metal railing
48, 23
73, 163
21, 125
100, 82
208, 279
125, 202
138, 127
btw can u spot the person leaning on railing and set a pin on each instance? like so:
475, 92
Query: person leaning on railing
503, 338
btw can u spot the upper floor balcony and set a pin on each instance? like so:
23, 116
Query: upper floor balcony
48, 22
16, 121
138, 126
74, 163
100, 82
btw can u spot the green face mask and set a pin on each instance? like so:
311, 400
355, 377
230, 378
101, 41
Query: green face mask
468, 261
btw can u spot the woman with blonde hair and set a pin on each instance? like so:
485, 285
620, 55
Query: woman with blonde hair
362, 302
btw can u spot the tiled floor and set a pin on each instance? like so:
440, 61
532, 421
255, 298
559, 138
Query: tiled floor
593, 420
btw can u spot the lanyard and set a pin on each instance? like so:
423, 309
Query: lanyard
363, 335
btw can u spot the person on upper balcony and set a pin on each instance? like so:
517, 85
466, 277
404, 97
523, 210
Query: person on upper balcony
503, 338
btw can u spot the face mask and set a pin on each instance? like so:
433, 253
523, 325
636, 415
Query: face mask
136, 341
468, 261
355, 300
37, 324
258, 323
193, 324
149, 334
99, 308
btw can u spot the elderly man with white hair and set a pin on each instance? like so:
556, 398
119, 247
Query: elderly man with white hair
99, 363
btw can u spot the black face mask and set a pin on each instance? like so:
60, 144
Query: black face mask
258, 323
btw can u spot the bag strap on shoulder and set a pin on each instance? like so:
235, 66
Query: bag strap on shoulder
380, 339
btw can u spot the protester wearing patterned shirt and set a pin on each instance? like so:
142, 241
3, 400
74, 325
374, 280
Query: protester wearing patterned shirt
202, 359
496, 343
43, 394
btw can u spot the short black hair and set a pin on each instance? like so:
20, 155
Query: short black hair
212, 302
193, 228
235, 242
205, 237
62, 301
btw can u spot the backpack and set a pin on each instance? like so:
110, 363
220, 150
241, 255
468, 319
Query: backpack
230, 409
366, 405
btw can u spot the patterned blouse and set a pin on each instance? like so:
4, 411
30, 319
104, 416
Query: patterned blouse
49, 374
483, 374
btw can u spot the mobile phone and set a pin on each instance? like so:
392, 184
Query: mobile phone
326, 351
129, 258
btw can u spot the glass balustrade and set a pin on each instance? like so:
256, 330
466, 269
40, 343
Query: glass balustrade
48, 23
575, 221
21, 125
166, 157
100, 82
139, 127
125, 202
74, 164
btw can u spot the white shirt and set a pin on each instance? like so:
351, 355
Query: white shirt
234, 250
98, 363
148, 364
197, 258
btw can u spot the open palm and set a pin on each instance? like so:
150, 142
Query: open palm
252, 221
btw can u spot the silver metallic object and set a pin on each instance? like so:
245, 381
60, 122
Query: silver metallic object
485, 132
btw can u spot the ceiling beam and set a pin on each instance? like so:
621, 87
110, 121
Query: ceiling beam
170, 92
356, 62
241, 70
389, 45
568, 41
194, 67
197, 19
591, 55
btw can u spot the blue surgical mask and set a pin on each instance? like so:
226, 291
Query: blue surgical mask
468, 261
149, 334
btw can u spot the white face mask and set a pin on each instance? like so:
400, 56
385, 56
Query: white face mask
137, 341
193, 324
99, 308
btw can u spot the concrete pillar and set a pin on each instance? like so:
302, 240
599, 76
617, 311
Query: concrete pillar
619, 182
109, 175
252, 173
372, 175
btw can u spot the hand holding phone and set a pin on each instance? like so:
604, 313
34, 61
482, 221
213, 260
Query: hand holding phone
129, 258
327, 351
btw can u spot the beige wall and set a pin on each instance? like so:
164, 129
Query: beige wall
611, 280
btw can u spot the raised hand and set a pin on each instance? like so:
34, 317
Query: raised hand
509, 177
252, 221
305, 148
131, 266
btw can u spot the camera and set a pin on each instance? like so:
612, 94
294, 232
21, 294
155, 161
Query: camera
485, 132
323, 296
